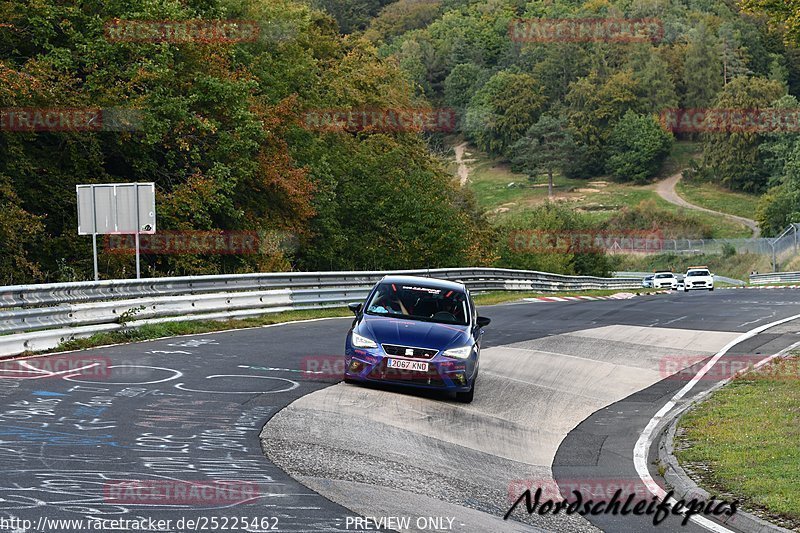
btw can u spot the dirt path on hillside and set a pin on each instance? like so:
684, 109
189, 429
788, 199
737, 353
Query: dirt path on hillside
666, 190
463, 169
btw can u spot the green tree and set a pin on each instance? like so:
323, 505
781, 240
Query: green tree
594, 106
401, 16
784, 14
732, 158
780, 206
352, 15
547, 147
702, 71
653, 78
734, 55
462, 83
637, 147
502, 110
20, 234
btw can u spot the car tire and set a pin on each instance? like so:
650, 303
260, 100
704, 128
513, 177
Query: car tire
466, 397
350, 381
685, 289
711, 289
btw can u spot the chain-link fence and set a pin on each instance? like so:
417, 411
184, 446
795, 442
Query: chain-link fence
780, 249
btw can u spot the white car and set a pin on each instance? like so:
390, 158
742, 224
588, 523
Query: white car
665, 280
647, 282
698, 278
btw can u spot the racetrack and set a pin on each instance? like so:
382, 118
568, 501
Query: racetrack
563, 388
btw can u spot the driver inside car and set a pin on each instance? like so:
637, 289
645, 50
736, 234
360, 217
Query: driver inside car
389, 303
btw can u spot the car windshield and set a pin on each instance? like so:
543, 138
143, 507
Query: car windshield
417, 301
660, 276
698, 273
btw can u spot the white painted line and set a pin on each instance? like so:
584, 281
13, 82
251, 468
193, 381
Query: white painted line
274, 369
646, 438
676, 319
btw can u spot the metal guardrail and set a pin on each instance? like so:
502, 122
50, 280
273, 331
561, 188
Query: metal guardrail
39, 317
775, 277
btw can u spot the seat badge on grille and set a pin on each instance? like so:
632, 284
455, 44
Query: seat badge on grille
410, 352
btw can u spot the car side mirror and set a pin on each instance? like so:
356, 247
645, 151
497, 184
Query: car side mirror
355, 307
483, 321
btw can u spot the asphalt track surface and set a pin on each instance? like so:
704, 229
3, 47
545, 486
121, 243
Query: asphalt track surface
565, 390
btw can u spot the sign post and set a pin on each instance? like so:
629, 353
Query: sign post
116, 208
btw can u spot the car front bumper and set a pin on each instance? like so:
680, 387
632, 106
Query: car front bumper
443, 373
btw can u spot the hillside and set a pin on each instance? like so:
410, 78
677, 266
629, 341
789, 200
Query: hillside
596, 107
503, 193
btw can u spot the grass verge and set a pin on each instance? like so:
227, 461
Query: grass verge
744, 442
716, 198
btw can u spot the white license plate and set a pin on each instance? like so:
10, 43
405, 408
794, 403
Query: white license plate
402, 364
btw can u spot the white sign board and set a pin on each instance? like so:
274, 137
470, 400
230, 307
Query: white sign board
116, 208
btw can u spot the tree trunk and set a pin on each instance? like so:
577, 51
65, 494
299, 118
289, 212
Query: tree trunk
550, 184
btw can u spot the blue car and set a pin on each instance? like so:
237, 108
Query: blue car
417, 332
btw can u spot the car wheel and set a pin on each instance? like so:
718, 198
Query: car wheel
711, 289
685, 289
466, 397
350, 381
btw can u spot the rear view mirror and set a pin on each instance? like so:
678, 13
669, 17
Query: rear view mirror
483, 321
355, 307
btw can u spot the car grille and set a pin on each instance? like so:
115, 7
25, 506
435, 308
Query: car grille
430, 378
402, 351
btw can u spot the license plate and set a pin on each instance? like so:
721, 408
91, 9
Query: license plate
402, 364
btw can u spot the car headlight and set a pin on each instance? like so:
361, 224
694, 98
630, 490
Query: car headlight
459, 353
360, 341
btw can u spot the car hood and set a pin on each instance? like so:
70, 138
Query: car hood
413, 332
